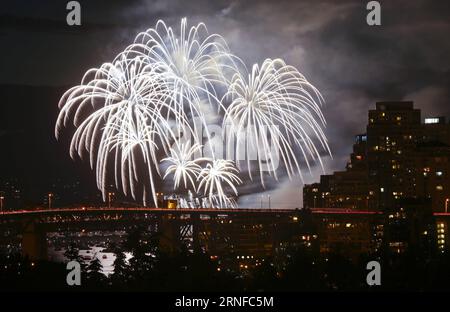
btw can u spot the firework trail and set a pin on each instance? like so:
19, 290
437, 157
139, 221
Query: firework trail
214, 177
277, 98
183, 168
129, 114
194, 63
123, 102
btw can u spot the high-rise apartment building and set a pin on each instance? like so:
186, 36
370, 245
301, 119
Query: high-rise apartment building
399, 157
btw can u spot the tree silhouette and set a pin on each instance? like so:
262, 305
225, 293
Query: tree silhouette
142, 263
264, 277
95, 276
73, 252
121, 272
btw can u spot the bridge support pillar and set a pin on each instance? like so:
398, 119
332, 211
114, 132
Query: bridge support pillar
169, 233
34, 243
196, 232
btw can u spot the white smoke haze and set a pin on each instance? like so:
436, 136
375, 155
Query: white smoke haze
285, 194
433, 101
167, 87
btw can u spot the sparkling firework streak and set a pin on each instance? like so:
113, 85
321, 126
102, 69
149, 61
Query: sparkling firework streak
277, 98
129, 114
183, 168
124, 104
214, 177
128, 98
194, 65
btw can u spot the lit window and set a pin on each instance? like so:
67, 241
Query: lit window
382, 189
431, 120
439, 173
439, 187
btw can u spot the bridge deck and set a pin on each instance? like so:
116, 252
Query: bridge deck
214, 211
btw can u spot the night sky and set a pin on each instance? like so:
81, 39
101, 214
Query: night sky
352, 64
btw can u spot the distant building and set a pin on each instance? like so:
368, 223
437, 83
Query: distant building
398, 157
349, 234
11, 193
410, 224
442, 227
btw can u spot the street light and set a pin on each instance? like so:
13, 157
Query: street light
110, 195
1, 203
50, 196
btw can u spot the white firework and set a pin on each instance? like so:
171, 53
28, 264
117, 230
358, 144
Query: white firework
124, 104
194, 63
224, 201
215, 177
184, 167
276, 98
125, 113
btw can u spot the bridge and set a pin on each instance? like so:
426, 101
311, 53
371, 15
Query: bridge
177, 211
241, 232
41, 211
255, 232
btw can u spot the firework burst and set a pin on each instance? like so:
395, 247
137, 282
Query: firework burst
215, 177
194, 64
184, 167
129, 114
277, 106
118, 114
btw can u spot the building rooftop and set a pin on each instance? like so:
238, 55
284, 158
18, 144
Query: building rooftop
394, 105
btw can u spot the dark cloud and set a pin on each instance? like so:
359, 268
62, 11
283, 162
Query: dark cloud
353, 64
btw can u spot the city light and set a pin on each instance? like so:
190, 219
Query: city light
431, 120
50, 200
